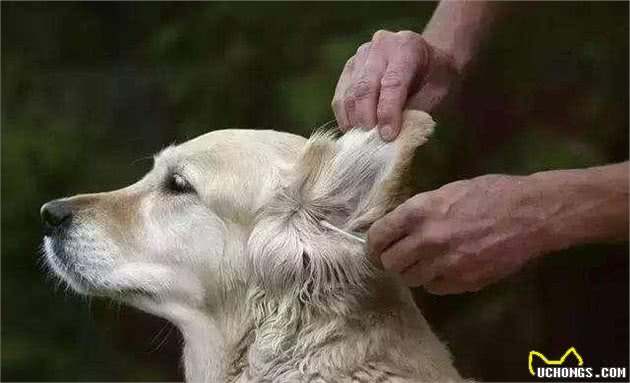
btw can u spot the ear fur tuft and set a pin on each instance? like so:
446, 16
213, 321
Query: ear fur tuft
349, 182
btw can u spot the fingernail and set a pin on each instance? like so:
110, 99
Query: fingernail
387, 132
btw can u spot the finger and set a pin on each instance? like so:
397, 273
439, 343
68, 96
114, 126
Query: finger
413, 250
400, 255
426, 268
340, 89
469, 268
456, 277
479, 278
366, 89
348, 97
389, 229
418, 274
394, 89
441, 285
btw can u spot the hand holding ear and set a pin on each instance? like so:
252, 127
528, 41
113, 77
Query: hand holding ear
394, 71
463, 236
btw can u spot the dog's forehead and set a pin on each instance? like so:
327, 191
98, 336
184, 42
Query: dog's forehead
234, 142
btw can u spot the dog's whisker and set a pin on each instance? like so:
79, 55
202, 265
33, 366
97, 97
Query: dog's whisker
145, 158
329, 124
164, 339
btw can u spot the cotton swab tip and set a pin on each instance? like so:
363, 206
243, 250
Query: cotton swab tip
334, 228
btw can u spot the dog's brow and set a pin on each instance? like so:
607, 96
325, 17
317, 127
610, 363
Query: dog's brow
163, 154
166, 158
180, 168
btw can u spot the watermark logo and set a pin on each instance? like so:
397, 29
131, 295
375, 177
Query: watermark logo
558, 362
565, 368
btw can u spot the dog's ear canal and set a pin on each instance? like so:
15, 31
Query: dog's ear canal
353, 181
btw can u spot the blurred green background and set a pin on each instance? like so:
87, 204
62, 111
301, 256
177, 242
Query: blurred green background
90, 89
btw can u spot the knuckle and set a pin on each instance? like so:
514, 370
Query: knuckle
492, 181
392, 80
363, 48
412, 43
454, 187
416, 204
437, 203
363, 88
407, 34
410, 214
380, 35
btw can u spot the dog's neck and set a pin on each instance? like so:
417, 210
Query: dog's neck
378, 335
275, 340
204, 338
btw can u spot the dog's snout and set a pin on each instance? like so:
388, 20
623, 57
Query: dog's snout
55, 214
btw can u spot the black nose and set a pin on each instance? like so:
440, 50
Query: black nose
55, 214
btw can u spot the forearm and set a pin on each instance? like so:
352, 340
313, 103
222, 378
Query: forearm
458, 28
583, 205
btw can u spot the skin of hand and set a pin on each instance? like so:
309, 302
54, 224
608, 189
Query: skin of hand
407, 70
394, 71
469, 234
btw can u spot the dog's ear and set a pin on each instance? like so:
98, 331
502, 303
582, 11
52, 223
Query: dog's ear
353, 181
349, 182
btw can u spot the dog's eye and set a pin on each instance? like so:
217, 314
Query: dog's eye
178, 184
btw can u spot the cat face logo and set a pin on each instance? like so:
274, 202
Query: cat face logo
559, 362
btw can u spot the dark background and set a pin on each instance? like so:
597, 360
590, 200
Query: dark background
90, 89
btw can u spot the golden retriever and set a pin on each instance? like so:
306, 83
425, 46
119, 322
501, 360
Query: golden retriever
224, 238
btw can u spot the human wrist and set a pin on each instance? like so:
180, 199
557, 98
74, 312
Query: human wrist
580, 206
459, 28
442, 52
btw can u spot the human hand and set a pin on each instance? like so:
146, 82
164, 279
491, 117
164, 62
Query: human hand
465, 235
394, 71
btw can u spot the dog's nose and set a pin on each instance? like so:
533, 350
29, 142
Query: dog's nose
55, 214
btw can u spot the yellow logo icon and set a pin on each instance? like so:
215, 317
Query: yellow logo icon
558, 362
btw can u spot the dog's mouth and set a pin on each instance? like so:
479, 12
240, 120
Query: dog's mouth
58, 261
55, 251
67, 267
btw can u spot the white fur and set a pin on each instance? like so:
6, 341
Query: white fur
261, 291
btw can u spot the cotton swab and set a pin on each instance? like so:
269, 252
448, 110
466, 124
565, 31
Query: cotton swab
342, 232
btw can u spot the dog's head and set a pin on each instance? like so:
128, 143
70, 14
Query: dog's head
232, 208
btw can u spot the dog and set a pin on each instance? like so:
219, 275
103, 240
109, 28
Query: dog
224, 238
